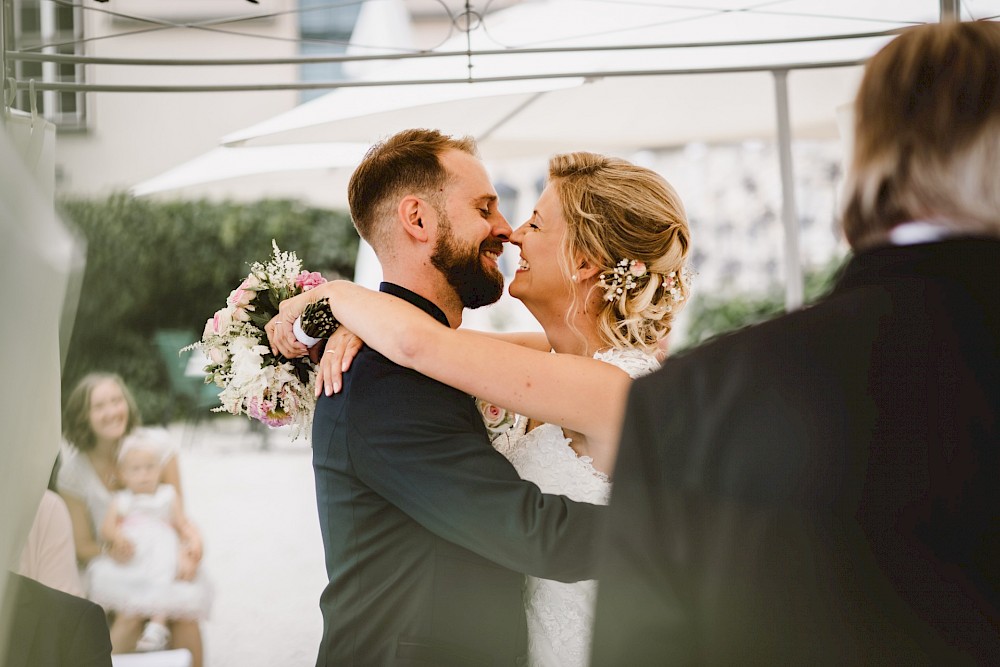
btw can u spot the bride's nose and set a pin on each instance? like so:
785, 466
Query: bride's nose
518, 234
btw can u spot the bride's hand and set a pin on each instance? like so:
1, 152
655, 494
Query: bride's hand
279, 330
340, 351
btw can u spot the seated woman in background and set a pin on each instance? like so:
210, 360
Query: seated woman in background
98, 415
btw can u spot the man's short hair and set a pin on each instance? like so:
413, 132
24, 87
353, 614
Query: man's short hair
406, 163
927, 133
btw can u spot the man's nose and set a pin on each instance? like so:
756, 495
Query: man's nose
501, 228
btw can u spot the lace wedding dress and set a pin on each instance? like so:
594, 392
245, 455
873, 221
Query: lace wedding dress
560, 615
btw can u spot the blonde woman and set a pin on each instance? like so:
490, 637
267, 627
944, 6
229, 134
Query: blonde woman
602, 264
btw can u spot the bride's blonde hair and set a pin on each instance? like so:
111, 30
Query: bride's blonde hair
618, 212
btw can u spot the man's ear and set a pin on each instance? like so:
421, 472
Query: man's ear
410, 214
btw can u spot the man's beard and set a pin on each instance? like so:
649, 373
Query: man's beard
463, 268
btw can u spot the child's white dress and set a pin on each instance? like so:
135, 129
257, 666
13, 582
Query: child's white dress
147, 584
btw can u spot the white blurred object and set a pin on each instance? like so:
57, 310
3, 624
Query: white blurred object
38, 259
225, 163
845, 127
176, 658
34, 139
367, 269
549, 101
383, 26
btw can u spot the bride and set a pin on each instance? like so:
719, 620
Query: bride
602, 270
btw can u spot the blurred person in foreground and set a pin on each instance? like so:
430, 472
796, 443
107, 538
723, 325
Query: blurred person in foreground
822, 488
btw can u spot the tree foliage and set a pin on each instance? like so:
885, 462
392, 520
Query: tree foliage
712, 316
170, 265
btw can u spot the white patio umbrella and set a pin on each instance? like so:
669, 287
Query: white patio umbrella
530, 94
229, 163
524, 92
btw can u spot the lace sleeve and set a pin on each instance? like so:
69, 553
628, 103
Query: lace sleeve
634, 362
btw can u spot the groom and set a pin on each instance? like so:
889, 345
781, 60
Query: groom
426, 528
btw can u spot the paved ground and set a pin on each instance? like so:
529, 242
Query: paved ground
256, 510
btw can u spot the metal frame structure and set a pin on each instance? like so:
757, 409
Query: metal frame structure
950, 10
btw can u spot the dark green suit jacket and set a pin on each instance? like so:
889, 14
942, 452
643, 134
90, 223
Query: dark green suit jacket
427, 529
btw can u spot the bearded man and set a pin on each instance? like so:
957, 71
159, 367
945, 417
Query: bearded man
426, 527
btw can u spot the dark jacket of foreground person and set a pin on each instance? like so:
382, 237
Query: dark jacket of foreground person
822, 488
50, 628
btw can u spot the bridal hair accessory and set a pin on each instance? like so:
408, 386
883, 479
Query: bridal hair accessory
271, 389
672, 284
630, 274
623, 278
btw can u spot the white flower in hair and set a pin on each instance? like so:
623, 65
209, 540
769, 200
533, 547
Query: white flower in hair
628, 274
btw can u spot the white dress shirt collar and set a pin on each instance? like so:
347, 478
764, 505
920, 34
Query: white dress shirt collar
918, 231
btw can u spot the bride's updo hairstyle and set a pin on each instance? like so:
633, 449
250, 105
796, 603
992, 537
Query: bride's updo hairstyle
631, 223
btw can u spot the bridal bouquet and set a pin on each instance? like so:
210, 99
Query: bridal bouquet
268, 388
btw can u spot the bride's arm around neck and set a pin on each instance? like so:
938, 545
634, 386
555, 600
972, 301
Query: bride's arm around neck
579, 393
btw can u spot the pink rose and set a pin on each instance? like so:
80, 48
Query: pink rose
244, 294
221, 320
217, 356
241, 315
309, 279
210, 329
638, 269
495, 418
268, 413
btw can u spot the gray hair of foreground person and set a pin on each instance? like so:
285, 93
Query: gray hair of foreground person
927, 134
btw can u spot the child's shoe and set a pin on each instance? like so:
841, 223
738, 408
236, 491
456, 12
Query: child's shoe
154, 638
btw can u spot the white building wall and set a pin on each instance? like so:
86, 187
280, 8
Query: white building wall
135, 136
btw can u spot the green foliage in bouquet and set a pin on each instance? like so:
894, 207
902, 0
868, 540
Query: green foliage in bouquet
155, 267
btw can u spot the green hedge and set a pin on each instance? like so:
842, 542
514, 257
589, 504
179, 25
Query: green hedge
712, 316
170, 265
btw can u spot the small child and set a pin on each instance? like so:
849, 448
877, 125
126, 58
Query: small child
161, 580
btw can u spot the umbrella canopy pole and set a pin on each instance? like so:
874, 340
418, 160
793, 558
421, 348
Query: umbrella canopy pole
5, 45
951, 10
789, 215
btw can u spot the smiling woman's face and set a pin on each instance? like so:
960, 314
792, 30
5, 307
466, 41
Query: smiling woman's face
108, 411
540, 277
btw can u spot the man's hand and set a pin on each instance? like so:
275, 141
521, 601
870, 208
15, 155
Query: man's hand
336, 359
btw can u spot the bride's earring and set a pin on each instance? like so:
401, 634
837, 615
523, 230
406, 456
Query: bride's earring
574, 277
